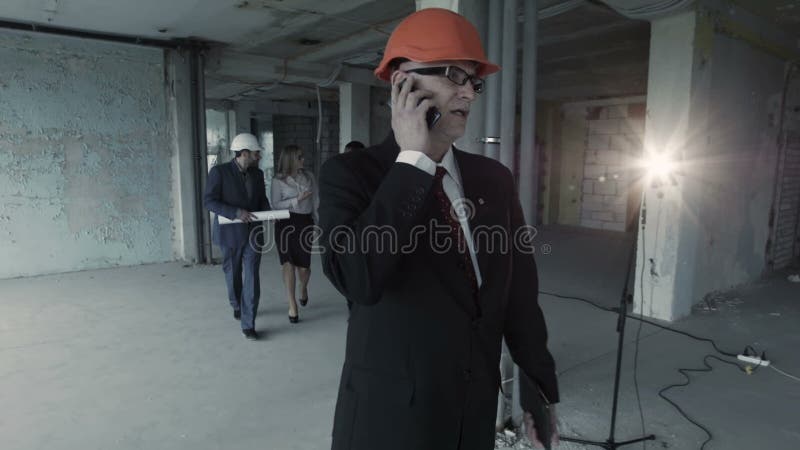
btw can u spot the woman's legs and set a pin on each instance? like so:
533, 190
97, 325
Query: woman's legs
304, 274
289, 283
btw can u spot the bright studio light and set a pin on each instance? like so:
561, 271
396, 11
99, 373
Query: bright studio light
658, 166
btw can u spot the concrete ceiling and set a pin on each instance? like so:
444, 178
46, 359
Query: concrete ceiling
280, 49
786, 13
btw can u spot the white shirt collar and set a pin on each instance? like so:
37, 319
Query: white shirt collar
451, 165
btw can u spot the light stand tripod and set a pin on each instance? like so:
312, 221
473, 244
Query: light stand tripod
611, 442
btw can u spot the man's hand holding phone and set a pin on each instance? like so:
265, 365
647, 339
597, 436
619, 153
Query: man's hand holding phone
409, 110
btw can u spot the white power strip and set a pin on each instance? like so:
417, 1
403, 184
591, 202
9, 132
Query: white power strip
753, 360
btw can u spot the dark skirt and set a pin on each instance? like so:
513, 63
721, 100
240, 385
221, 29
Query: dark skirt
294, 239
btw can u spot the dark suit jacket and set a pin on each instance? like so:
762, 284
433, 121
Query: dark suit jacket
421, 367
226, 193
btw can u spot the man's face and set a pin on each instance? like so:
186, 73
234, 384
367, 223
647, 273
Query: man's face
246, 159
452, 100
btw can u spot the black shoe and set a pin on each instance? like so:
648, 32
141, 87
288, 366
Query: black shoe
294, 319
237, 314
303, 301
250, 334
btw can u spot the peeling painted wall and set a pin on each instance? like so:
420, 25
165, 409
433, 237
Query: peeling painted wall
739, 161
85, 171
713, 98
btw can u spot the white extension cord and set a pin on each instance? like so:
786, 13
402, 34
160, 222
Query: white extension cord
753, 360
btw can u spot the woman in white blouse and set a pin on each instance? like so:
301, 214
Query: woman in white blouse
295, 189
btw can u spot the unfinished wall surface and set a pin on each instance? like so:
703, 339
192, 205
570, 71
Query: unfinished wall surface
302, 131
380, 116
548, 134
613, 144
572, 153
716, 80
85, 155
294, 130
329, 136
783, 248
739, 165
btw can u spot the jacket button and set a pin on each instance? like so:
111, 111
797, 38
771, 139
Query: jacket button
461, 266
476, 323
467, 374
420, 190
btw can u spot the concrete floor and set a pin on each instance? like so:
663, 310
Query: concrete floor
149, 357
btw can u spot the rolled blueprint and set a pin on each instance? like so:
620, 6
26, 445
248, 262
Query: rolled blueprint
260, 216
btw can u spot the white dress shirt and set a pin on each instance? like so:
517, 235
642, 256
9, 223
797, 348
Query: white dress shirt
285, 193
453, 188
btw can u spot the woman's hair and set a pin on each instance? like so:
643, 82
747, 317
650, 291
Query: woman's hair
287, 160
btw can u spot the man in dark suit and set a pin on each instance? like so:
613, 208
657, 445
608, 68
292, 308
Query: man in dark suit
413, 234
234, 190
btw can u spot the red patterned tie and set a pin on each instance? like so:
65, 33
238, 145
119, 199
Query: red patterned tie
456, 232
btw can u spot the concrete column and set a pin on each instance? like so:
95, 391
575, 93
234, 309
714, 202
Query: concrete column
183, 173
353, 114
666, 245
529, 157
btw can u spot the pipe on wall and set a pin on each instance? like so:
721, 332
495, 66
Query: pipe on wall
493, 86
529, 157
110, 37
199, 153
508, 102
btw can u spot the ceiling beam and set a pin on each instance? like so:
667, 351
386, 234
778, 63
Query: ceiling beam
365, 39
254, 69
295, 20
591, 32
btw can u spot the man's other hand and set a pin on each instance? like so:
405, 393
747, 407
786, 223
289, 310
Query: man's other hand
530, 429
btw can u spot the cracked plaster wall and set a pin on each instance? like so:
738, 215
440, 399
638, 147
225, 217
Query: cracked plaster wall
85, 149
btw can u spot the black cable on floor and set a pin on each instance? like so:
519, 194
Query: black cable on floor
566, 297
639, 330
708, 367
655, 324
683, 371
697, 338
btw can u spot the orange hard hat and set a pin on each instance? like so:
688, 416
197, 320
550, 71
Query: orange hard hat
435, 34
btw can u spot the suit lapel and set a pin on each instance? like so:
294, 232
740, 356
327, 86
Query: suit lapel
475, 191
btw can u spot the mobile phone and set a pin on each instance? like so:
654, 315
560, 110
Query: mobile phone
542, 417
432, 115
532, 397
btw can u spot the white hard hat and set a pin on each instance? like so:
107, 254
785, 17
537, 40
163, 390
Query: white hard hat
245, 141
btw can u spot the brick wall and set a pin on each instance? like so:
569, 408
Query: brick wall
302, 131
329, 142
614, 139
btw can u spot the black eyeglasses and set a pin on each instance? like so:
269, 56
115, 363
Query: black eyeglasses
454, 74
